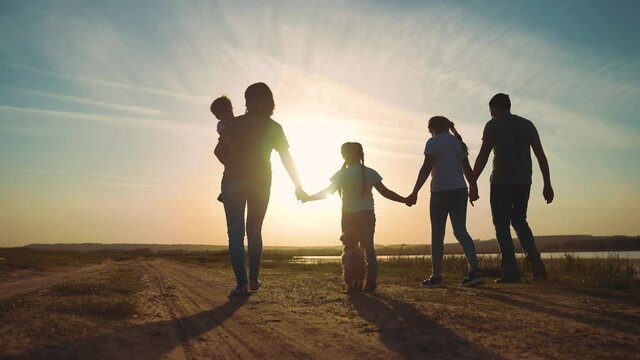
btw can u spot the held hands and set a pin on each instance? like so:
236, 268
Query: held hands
411, 199
304, 198
301, 195
473, 194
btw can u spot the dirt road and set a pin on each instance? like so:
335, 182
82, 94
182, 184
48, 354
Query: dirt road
185, 313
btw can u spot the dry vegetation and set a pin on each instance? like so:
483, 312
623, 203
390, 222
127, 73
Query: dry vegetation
612, 271
175, 305
12, 259
111, 297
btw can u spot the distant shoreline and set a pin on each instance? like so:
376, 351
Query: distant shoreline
547, 244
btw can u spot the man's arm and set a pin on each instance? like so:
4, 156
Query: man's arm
389, 194
547, 190
423, 175
471, 179
483, 157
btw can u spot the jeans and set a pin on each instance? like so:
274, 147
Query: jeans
509, 208
238, 195
364, 224
454, 204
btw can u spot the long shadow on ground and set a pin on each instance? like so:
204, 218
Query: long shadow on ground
145, 341
411, 334
602, 318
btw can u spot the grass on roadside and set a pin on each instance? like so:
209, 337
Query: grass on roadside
611, 271
112, 297
39, 260
27, 259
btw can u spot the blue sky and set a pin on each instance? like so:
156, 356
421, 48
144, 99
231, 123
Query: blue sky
105, 133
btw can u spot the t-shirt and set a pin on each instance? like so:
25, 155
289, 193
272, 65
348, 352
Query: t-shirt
512, 136
220, 127
447, 152
253, 139
349, 181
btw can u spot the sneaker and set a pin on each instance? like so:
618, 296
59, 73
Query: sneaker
473, 278
254, 285
432, 282
370, 287
240, 290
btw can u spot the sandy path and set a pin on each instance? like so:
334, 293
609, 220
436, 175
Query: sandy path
185, 314
201, 322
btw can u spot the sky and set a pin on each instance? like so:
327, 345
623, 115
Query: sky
106, 135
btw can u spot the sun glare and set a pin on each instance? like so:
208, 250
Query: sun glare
315, 146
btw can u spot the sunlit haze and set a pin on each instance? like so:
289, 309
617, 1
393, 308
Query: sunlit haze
106, 134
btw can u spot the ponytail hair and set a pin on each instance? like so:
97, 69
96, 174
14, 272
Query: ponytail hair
441, 123
352, 152
457, 135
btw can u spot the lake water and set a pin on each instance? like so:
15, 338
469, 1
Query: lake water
631, 255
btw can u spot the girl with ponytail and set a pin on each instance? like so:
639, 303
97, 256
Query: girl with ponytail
354, 182
446, 159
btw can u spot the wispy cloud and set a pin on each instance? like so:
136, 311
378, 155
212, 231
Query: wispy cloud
168, 180
66, 179
139, 110
112, 84
129, 121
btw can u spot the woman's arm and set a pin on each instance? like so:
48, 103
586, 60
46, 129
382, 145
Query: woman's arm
423, 175
288, 164
471, 179
391, 195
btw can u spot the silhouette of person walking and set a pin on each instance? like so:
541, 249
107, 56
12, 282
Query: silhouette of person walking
246, 182
511, 137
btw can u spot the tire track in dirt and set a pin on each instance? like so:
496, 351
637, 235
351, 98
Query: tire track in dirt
198, 330
160, 304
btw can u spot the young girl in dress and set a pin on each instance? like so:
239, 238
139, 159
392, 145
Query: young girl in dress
446, 159
354, 182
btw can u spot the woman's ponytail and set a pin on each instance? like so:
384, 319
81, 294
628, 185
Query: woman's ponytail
457, 135
441, 123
